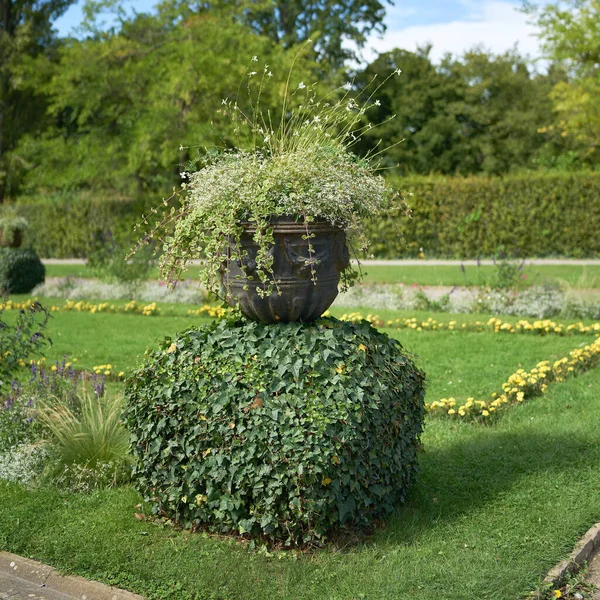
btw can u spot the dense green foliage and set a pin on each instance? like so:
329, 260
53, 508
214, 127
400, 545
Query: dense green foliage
570, 36
20, 270
528, 215
74, 226
25, 35
123, 109
474, 114
283, 431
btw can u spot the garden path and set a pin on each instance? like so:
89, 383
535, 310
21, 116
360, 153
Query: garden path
25, 579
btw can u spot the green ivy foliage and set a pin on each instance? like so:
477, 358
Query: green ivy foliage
20, 270
283, 432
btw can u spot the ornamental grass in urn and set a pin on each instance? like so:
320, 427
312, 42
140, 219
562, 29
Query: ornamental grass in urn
272, 220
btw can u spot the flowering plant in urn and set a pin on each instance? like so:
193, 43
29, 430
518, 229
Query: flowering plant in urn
269, 218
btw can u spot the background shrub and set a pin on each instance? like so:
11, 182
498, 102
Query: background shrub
284, 431
533, 214
20, 270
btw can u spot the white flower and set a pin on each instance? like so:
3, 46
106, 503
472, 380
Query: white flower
316, 118
255, 58
301, 85
251, 73
377, 102
181, 148
398, 72
267, 139
183, 175
347, 86
224, 101
269, 74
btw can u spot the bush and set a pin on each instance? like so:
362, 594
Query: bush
70, 226
20, 271
284, 431
533, 214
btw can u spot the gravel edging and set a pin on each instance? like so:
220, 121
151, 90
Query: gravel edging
587, 546
49, 580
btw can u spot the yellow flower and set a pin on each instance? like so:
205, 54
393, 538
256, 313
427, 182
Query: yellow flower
557, 594
362, 347
172, 348
326, 481
121, 373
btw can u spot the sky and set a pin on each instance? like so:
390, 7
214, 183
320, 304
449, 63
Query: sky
453, 26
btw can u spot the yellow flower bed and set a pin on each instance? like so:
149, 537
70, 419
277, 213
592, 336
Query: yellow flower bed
217, 312
521, 386
132, 307
492, 325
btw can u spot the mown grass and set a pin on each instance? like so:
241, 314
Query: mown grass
426, 275
493, 509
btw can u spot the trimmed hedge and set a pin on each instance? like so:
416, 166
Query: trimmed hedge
279, 431
20, 270
71, 227
532, 215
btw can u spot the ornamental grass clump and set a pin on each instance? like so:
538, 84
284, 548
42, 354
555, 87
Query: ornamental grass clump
299, 163
283, 432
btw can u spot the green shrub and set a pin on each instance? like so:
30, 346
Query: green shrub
285, 431
20, 270
528, 215
70, 226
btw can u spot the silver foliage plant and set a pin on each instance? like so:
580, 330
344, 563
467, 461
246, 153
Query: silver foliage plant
299, 164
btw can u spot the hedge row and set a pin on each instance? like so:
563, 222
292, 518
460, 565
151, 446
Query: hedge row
531, 215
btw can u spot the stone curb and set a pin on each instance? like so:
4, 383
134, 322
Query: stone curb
587, 546
49, 579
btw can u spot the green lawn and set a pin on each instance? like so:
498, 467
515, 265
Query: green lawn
494, 508
588, 276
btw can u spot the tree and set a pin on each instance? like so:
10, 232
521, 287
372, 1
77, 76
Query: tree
570, 35
128, 108
333, 26
25, 31
477, 113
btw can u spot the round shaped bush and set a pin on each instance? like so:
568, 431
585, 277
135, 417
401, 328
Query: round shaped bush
283, 431
20, 270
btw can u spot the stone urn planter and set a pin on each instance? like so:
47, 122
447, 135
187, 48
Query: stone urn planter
302, 292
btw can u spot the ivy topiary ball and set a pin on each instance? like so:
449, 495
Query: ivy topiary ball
280, 431
20, 271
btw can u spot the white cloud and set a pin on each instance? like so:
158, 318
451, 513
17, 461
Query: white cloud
494, 24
